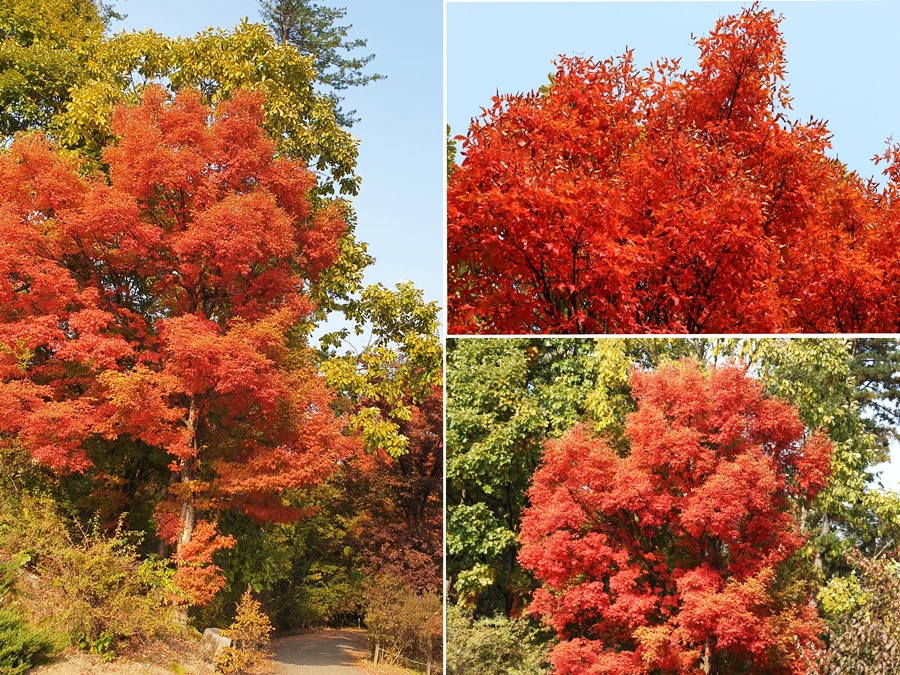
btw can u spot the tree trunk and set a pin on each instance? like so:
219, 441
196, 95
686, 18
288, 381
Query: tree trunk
188, 514
706, 662
826, 528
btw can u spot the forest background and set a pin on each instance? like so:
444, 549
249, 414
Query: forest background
508, 399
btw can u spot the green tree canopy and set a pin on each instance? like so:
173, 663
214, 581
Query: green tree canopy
504, 397
43, 49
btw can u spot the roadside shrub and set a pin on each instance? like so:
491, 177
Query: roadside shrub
110, 592
92, 587
493, 646
402, 621
249, 638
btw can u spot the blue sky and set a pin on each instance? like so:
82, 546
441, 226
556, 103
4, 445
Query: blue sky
842, 61
402, 153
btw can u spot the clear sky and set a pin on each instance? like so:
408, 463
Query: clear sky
402, 152
842, 63
842, 56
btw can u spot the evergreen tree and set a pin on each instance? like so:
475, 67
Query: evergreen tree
876, 370
312, 29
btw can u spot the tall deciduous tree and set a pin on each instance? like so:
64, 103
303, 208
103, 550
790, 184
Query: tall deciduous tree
168, 305
400, 503
312, 29
627, 200
678, 556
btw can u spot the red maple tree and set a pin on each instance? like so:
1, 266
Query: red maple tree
662, 200
161, 303
676, 557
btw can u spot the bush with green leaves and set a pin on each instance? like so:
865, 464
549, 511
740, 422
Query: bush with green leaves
21, 645
493, 645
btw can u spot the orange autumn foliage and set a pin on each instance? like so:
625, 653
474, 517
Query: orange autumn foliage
160, 302
621, 200
197, 575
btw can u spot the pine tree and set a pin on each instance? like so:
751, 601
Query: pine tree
312, 29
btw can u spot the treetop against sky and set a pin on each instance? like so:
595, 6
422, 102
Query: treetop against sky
399, 219
623, 198
845, 85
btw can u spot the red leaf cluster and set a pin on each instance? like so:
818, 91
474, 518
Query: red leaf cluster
677, 552
197, 575
661, 200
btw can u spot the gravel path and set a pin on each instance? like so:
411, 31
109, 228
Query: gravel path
327, 651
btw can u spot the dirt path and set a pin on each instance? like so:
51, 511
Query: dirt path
327, 651
79, 663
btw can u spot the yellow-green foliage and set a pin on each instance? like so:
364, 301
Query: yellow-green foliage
398, 368
494, 645
216, 62
89, 586
249, 638
610, 400
864, 622
841, 595
42, 55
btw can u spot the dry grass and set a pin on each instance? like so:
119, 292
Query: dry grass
171, 658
